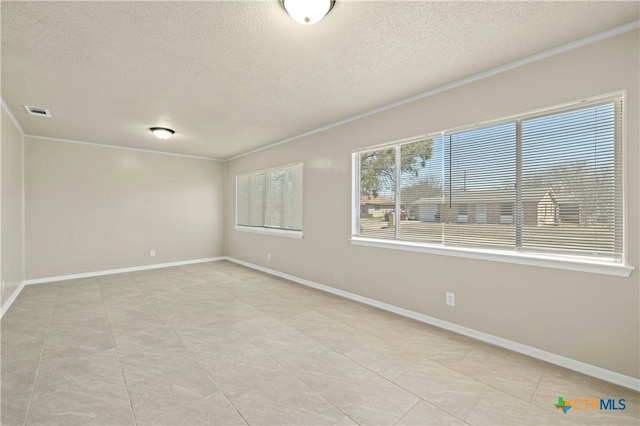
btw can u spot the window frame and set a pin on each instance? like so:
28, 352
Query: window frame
601, 265
264, 229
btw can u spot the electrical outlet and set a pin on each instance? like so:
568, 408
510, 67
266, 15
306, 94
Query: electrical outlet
268, 256
451, 299
152, 253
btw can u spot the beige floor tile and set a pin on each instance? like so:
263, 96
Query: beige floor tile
76, 346
428, 345
150, 321
495, 367
281, 309
321, 369
387, 362
442, 387
424, 413
223, 349
55, 374
119, 311
23, 320
78, 315
167, 383
318, 366
267, 332
20, 348
213, 409
369, 399
299, 409
329, 331
163, 364
266, 393
123, 417
267, 379
16, 389
13, 410
32, 306
18, 379
130, 340
208, 338
80, 404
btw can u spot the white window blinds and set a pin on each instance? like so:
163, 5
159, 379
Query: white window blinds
284, 198
543, 183
251, 197
480, 174
270, 198
575, 157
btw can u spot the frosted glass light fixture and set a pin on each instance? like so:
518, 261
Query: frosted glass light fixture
162, 133
307, 11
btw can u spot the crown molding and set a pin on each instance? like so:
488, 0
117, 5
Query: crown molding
494, 71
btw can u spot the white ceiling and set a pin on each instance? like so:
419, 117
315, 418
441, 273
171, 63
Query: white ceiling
230, 77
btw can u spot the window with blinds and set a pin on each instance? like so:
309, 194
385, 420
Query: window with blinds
546, 183
270, 199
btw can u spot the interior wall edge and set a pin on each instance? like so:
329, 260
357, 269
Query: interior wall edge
11, 116
126, 148
120, 270
12, 214
559, 360
6, 305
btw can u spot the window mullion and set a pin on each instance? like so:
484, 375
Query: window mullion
398, 210
355, 209
266, 202
519, 210
619, 245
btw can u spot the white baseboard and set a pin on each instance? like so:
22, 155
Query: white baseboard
571, 364
121, 270
9, 302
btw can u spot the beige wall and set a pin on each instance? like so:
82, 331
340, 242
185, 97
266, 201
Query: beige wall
587, 317
12, 212
92, 208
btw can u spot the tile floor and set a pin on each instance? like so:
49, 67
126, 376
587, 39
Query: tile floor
218, 343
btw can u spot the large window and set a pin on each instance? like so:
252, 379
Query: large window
270, 199
545, 184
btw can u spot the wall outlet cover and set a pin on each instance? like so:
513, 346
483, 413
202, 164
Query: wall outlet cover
450, 299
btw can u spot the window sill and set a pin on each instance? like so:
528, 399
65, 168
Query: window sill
270, 231
595, 266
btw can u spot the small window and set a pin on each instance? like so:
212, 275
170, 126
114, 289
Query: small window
270, 199
506, 213
462, 214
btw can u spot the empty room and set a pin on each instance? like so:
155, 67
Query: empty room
317, 212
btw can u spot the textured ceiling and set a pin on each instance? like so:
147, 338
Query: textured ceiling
230, 77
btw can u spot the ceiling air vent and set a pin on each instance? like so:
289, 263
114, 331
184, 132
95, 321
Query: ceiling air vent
40, 112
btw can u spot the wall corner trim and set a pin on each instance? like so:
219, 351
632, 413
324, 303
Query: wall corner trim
571, 364
120, 271
122, 147
14, 296
11, 116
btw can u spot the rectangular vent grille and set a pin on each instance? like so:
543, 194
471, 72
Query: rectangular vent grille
40, 112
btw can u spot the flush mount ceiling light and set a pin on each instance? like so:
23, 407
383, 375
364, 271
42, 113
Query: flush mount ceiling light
161, 133
307, 11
